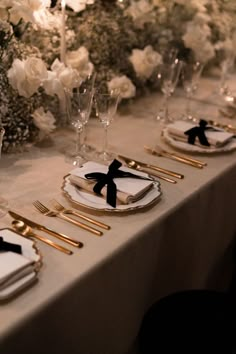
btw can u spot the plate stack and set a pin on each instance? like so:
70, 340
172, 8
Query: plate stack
17, 270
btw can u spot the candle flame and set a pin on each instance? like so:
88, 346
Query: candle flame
63, 3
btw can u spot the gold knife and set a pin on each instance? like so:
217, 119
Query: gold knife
152, 167
180, 158
37, 226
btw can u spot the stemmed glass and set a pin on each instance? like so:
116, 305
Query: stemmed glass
167, 76
106, 107
226, 66
88, 85
79, 111
191, 73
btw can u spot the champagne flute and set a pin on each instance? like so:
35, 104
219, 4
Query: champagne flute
191, 73
87, 85
106, 107
167, 77
79, 112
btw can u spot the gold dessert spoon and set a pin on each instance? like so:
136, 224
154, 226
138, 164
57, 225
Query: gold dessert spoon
26, 230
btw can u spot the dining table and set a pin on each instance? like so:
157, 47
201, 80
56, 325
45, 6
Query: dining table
93, 301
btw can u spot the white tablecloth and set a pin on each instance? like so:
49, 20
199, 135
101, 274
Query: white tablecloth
93, 301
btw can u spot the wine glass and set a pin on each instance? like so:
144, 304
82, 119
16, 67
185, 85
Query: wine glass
167, 77
191, 73
3, 201
226, 66
79, 111
88, 85
106, 107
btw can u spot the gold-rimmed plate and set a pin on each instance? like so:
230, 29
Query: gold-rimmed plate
184, 146
29, 251
96, 203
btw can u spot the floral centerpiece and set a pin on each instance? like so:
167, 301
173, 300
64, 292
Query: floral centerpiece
123, 41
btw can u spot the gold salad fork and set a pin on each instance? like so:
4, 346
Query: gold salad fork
64, 210
44, 210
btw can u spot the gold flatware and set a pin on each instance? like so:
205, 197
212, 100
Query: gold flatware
187, 160
26, 230
230, 128
152, 167
62, 209
40, 227
44, 210
137, 167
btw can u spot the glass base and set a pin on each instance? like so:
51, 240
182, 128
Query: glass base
161, 118
105, 157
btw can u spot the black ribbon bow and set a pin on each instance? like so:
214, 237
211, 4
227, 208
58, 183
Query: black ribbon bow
7, 246
107, 179
199, 132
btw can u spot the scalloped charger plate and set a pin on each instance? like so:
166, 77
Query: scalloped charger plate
93, 202
30, 251
230, 146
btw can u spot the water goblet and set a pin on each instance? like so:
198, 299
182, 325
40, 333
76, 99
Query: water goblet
226, 66
106, 107
167, 77
79, 112
190, 75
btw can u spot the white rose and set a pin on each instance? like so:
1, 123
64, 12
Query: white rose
78, 6
44, 121
26, 76
124, 85
145, 61
35, 70
79, 60
69, 78
53, 85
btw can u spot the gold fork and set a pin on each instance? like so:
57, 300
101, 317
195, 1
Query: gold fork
63, 210
44, 210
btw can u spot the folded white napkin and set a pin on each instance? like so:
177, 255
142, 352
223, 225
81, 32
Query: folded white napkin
215, 138
13, 266
129, 190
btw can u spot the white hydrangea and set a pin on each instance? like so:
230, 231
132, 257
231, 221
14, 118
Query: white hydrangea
123, 85
44, 121
145, 61
140, 11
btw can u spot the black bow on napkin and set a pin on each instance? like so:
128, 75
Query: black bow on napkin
199, 132
7, 246
107, 179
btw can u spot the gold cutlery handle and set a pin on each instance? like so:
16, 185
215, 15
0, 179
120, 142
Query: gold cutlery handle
167, 172
183, 160
167, 179
80, 224
197, 162
92, 221
62, 237
50, 243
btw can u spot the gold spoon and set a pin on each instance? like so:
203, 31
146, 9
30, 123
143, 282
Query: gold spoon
135, 166
26, 230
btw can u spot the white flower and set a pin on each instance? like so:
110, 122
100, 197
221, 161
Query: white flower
140, 11
145, 61
26, 76
79, 5
34, 11
79, 60
44, 121
123, 85
197, 38
61, 78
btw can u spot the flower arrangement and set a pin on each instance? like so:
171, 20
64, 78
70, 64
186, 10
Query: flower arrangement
122, 40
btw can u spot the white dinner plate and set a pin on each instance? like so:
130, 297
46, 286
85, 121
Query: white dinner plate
184, 146
30, 251
94, 202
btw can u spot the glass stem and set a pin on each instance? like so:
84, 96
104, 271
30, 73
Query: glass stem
166, 108
188, 105
105, 141
78, 140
